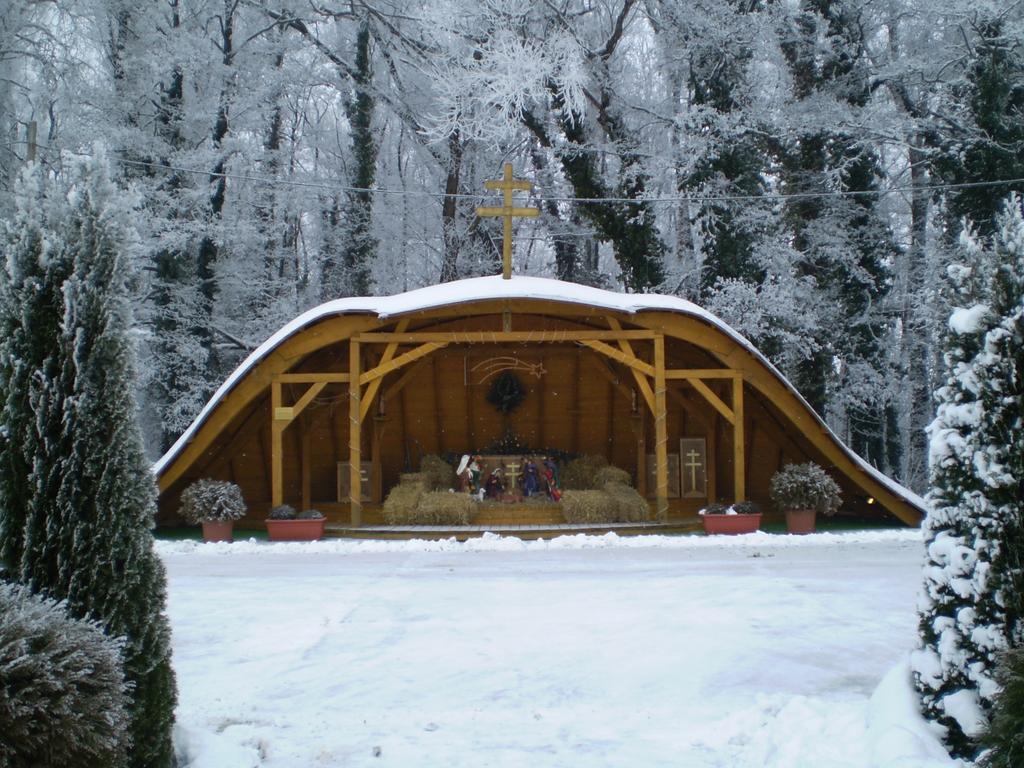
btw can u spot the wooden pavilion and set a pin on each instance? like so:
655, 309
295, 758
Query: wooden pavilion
329, 411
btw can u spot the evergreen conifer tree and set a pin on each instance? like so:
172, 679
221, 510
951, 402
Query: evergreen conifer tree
86, 531
971, 607
990, 144
30, 312
23, 243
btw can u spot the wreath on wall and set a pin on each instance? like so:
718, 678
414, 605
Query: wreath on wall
506, 392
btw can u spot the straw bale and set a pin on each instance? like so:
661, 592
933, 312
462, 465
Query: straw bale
439, 473
400, 505
630, 506
610, 474
588, 507
444, 508
578, 474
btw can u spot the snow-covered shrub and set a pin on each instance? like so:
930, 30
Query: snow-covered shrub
282, 512
805, 486
971, 604
212, 501
310, 514
62, 691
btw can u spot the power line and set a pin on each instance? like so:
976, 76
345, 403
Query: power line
672, 199
586, 200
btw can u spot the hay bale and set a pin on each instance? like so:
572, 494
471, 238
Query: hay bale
578, 474
609, 474
588, 507
440, 475
630, 506
414, 477
400, 505
444, 508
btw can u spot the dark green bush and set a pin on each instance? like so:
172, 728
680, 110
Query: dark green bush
1005, 735
62, 691
282, 512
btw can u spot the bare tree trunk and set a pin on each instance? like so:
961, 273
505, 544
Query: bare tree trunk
449, 222
916, 350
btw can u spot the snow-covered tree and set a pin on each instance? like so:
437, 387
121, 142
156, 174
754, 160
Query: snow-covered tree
91, 500
63, 697
31, 282
972, 606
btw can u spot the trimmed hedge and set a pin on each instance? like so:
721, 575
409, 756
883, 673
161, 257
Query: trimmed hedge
63, 698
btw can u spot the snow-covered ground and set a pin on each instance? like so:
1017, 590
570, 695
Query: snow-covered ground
586, 651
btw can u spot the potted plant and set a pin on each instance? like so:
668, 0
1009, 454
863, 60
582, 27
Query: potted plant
285, 524
216, 504
741, 517
802, 491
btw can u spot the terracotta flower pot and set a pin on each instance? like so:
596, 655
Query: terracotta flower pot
295, 530
731, 524
800, 520
218, 531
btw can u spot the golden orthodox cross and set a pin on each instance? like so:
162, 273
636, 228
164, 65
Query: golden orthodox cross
512, 473
507, 184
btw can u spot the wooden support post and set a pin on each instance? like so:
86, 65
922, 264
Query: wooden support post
307, 468
639, 420
276, 460
355, 482
739, 456
712, 469
660, 429
379, 423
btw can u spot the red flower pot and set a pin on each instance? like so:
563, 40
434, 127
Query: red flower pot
295, 530
218, 530
800, 520
731, 524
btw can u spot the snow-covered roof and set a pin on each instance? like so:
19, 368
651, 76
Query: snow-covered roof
497, 288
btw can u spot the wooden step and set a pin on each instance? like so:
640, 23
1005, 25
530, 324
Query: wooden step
462, 533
